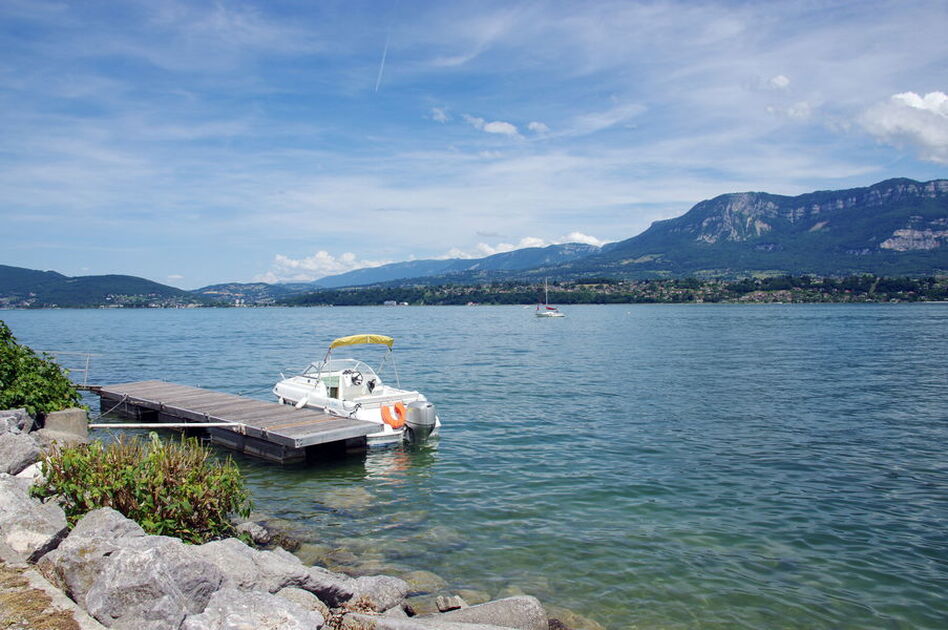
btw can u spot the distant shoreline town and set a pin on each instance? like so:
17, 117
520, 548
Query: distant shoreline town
781, 289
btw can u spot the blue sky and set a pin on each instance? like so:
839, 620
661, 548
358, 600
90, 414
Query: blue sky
194, 143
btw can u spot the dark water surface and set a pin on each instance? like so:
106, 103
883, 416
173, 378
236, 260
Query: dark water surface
647, 466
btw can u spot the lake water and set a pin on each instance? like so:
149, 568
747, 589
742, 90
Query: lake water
702, 466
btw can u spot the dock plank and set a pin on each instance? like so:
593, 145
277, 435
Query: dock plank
281, 424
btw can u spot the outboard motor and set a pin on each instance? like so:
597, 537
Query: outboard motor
420, 420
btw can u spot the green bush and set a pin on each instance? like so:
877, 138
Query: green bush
34, 382
170, 488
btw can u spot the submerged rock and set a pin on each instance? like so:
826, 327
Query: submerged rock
571, 619
347, 498
424, 581
28, 526
233, 609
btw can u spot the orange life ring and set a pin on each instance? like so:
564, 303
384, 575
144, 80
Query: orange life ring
394, 422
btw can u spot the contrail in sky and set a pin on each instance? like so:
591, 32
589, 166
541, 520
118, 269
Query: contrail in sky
378, 81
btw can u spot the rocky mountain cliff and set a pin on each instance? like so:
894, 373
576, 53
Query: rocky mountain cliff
898, 226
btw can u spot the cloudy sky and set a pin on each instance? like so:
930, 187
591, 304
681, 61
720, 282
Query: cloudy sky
199, 142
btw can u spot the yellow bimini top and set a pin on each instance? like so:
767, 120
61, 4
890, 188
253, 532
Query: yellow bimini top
355, 340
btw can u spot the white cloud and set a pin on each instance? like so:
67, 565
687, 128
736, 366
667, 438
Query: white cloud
538, 127
779, 82
439, 114
501, 127
319, 265
175, 276
798, 111
497, 126
484, 249
474, 121
579, 237
908, 119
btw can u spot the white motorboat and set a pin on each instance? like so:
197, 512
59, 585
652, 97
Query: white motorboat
545, 310
350, 388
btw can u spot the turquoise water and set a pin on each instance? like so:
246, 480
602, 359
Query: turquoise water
701, 466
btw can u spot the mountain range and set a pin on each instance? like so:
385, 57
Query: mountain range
895, 227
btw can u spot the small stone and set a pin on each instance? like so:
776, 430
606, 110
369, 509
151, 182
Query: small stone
258, 533
449, 602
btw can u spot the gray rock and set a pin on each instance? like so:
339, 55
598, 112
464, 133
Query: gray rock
127, 579
524, 613
305, 599
447, 603
33, 473
233, 609
358, 621
380, 592
245, 568
28, 526
81, 557
15, 421
17, 451
152, 581
48, 438
74, 421
257, 532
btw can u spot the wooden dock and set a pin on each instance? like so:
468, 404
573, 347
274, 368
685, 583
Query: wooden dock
279, 433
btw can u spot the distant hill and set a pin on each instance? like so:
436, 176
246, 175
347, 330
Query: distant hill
21, 287
895, 227
516, 260
250, 292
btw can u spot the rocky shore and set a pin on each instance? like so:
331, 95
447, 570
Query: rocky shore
107, 572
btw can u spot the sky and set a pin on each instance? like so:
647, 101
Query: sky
194, 143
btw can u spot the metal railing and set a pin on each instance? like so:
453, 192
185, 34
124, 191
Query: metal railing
76, 363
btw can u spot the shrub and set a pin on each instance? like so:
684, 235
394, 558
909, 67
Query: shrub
30, 381
171, 488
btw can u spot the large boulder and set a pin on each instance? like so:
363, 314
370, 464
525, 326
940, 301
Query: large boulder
524, 612
17, 451
126, 579
81, 558
248, 569
234, 609
15, 421
376, 592
28, 526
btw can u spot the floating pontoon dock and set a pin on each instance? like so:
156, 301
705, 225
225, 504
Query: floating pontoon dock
279, 433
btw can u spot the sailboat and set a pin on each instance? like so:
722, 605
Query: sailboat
545, 310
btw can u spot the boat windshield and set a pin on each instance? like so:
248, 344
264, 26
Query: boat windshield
336, 366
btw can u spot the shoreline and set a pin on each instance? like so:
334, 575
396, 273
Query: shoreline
115, 575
